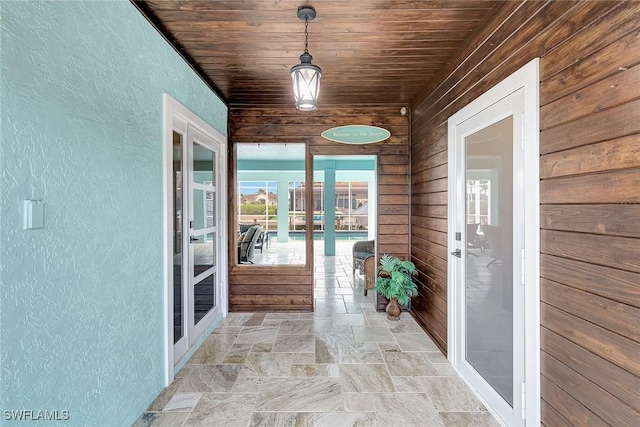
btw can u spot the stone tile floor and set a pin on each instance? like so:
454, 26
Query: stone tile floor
343, 365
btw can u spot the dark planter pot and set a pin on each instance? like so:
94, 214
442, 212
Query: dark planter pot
382, 302
393, 309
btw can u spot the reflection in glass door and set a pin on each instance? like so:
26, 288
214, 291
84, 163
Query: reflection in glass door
489, 260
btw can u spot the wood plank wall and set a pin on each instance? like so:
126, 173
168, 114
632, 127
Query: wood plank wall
589, 191
251, 288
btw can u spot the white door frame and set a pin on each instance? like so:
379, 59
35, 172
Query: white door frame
176, 113
526, 78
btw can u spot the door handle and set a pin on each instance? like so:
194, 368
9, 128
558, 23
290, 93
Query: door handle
193, 239
457, 253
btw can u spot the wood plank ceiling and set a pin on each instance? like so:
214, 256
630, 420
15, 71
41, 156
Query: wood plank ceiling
370, 51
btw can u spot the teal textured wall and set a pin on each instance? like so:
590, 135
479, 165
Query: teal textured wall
82, 325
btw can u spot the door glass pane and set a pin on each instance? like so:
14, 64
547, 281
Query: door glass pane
203, 164
204, 297
210, 208
203, 209
178, 326
204, 253
489, 255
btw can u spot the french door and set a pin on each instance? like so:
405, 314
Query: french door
493, 236
195, 227
204, 203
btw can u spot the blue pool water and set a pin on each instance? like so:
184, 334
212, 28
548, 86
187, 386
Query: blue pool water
340, 235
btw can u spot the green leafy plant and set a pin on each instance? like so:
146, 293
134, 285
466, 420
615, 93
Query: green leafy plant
396, 279
258, 209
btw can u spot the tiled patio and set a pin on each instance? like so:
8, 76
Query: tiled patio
344, 365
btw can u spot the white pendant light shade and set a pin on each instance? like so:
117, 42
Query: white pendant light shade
306, 83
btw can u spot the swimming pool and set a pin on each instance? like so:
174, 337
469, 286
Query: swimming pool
319, 235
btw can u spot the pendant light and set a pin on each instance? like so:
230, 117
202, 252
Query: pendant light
306, 76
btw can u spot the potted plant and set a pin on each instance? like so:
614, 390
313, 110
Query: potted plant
396, 283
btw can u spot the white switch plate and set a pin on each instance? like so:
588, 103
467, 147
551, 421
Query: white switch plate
33, 214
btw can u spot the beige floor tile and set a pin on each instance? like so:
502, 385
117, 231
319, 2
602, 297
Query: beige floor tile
248, 384
255, 319
409, 364
437, 357
342, 330
275, 323
388, 346
183, 372
221, 330
257, 334
303, 358
237, 354
223, 410
294, 343
297, 327
375, 321
365, 378
415, 342
261, 347
406, 325
269, 364
161, 419
345, 364
372, 333
325, 305
405, 409
307, 316
213, 350
358, 402
282, 316
300, 395
345, 349
353, 307
182, 402
445, 370
165, 396
468, 419
210, 378
235, 319
407, 384
323, 324
315, 370
451, 394
312, 419
349, 319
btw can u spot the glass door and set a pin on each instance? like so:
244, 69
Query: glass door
195, 218
490, 226
203, 232
489, 255
196, 244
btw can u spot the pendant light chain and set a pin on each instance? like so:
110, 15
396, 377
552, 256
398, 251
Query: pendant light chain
306, 35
